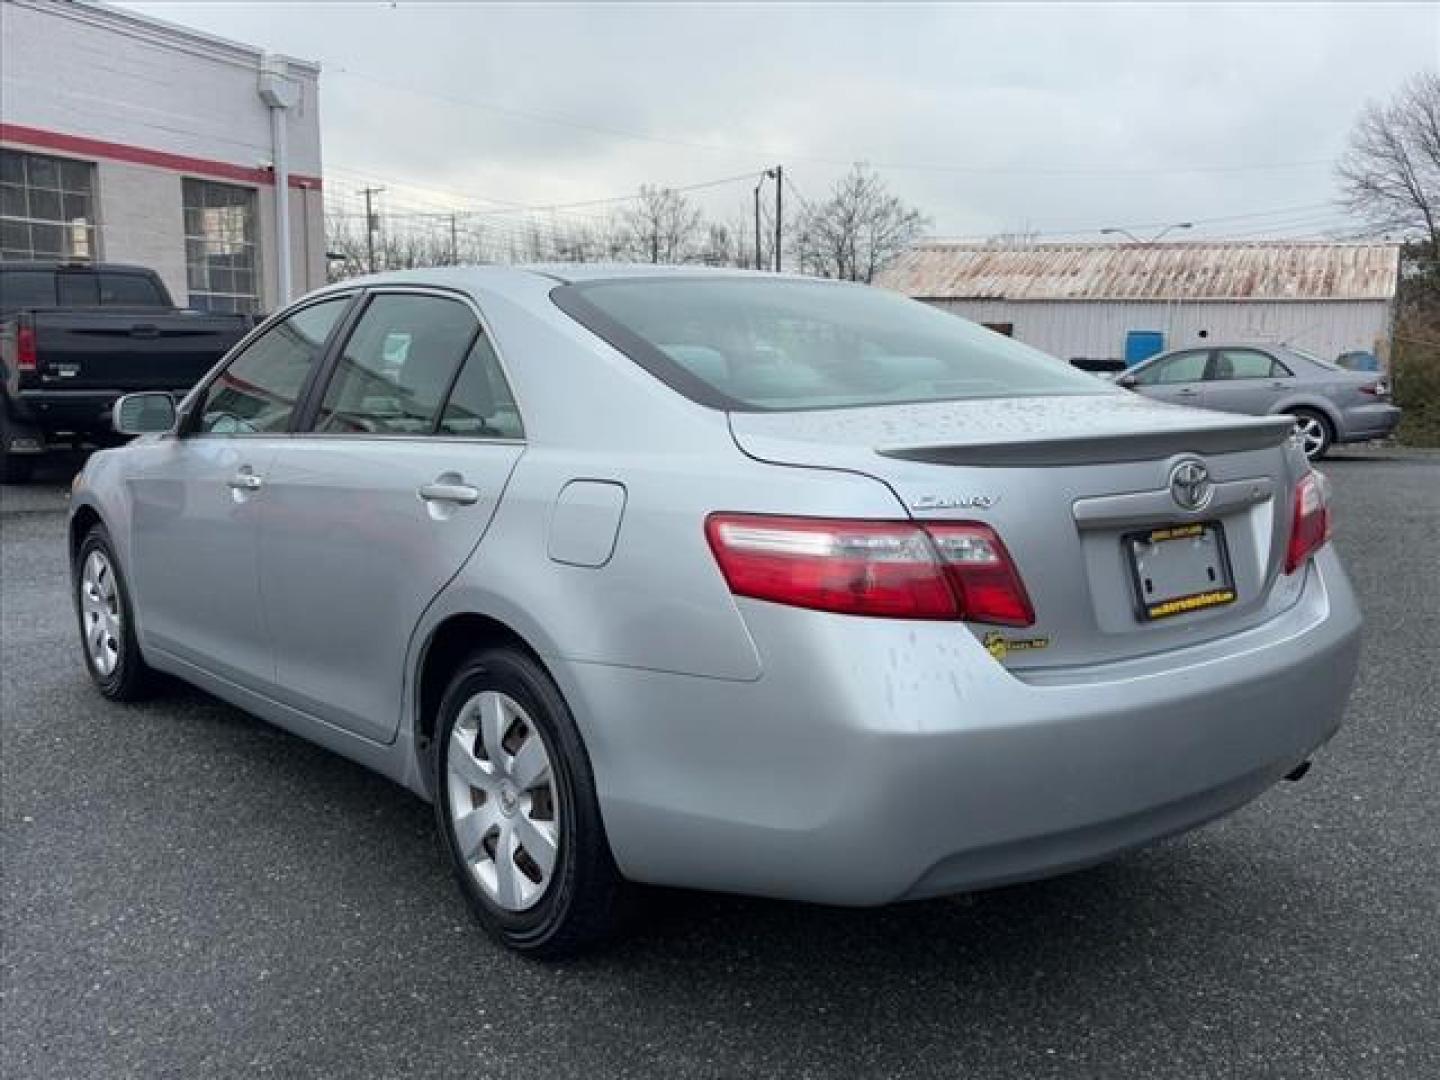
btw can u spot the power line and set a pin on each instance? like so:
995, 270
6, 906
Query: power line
517, 208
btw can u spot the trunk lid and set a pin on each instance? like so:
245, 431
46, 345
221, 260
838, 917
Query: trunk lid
1067, 482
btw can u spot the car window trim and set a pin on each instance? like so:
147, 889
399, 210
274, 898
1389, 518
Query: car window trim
331, 360
189, 417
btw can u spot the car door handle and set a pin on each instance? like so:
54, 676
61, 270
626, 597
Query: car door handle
245, 481
1187, 393
463, 494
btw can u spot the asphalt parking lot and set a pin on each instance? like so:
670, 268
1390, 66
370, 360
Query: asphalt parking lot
189, 892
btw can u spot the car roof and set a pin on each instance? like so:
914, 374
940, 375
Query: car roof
49, 265
563, 273
528, 283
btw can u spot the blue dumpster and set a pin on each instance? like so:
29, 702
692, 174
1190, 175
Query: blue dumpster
1142, 344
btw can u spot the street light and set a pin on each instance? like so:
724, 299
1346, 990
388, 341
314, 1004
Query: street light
1153, 239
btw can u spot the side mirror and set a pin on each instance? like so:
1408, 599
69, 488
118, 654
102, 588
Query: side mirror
1129, 382
144, 414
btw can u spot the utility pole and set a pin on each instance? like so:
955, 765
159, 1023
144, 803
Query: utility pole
370, 226
454, 243
758, 185
779, 187
777, 174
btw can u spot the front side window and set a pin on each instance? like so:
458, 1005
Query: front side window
397, 366
1181, 368
258, 391
745, 344
220, 263
1246, 364
47, 208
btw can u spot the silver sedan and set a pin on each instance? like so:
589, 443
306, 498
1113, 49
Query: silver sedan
1330, 404
720, 580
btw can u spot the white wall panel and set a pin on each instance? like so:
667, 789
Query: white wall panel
1097, 328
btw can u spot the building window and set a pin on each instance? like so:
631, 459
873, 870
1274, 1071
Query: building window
47, 208
220, 247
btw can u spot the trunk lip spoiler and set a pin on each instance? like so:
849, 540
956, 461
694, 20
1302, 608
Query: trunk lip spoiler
1102, 449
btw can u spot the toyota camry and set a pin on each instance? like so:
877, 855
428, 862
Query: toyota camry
720, 580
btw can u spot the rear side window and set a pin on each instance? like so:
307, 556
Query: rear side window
780, 344
26, 288
397, 366
258, 390
1246, 364
481, 404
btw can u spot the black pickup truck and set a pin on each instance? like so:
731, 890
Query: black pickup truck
74, 337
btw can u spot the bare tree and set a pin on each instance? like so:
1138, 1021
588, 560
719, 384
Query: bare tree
662, 226
856, 230
1390, 175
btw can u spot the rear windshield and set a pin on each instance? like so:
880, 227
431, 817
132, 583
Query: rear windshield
78, 288
782, 344
129, 290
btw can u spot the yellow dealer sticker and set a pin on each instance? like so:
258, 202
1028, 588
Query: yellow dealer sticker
1182, 604
1000, 646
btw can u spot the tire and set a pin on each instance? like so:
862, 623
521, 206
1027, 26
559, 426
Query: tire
16, 468
1316, 433
106, 617
529, 850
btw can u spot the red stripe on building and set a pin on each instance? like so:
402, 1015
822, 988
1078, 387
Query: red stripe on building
84, 146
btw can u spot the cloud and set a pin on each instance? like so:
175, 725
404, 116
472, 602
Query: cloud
1074, 102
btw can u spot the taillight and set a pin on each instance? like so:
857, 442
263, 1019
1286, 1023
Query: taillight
1309, 521
1378, 389
982, 574
887, 569
25, 352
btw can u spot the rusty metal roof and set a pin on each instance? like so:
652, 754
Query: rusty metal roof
1252, 270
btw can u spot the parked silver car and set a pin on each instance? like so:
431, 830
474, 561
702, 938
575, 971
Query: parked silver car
1330, 404
721, 580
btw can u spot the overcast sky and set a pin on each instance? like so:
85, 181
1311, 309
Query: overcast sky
988, 118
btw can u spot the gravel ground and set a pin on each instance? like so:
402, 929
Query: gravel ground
189, 892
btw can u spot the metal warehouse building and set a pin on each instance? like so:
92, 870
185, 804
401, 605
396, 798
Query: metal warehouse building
1102, 301
129, 139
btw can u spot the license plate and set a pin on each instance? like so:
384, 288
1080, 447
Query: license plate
1180, 569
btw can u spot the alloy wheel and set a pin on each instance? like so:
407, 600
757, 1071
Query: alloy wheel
504, 801
1311, 430
100, 610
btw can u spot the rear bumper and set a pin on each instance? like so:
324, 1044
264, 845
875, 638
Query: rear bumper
877, 761
1370, 422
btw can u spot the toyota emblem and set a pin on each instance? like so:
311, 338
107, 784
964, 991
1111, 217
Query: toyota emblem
1190, 485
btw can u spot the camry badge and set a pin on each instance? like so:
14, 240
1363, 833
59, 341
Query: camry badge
1190, 485
954, 502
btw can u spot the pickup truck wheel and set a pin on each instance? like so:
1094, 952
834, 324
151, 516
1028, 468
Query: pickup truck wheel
107, 623
517, 809
15, 468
